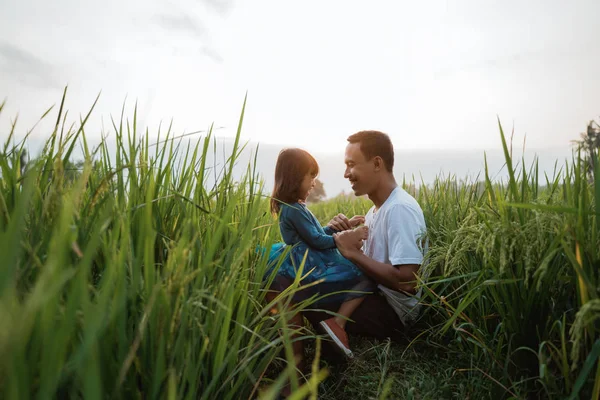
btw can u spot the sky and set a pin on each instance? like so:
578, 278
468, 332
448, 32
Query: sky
433, 75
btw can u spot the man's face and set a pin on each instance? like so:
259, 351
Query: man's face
359, 171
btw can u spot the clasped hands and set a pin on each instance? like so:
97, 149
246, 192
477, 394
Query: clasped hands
349, 238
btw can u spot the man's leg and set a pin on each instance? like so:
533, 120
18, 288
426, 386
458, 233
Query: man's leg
374, 317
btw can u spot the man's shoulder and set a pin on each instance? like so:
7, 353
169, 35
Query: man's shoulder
403, 201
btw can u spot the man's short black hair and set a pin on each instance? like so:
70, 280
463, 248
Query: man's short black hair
373, 144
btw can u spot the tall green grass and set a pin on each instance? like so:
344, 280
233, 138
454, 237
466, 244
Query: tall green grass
517, 266
136, 278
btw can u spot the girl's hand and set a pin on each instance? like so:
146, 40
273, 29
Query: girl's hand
340, 223
357, 220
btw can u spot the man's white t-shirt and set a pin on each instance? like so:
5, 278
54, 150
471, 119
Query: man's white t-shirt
396, 232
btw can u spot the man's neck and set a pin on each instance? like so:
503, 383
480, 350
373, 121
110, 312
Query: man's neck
383, 191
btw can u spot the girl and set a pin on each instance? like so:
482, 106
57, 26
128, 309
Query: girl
295, 175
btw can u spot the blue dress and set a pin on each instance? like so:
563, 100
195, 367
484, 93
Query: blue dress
302, 232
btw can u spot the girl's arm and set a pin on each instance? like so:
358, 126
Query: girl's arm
329, 230
309, 233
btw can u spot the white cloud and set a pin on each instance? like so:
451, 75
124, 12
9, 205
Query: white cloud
432, 75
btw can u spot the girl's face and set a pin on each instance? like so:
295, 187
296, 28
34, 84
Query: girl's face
307, 184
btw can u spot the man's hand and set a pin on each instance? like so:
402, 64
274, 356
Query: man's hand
357, 220
350, 242
341, 223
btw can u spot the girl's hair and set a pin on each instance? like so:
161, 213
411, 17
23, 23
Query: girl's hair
292, 166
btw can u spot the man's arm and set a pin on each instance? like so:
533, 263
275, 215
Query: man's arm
396, 277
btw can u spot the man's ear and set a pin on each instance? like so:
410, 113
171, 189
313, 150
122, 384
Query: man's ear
378, 163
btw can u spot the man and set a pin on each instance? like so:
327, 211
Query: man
393, 253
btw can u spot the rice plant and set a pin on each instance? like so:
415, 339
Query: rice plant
137, 272
517, 266
136, 278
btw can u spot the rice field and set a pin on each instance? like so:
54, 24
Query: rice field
134, 275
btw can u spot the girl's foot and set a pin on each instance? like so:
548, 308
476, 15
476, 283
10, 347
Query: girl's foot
338, 335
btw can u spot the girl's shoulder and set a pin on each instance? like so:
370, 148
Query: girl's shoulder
290, 209
292, 206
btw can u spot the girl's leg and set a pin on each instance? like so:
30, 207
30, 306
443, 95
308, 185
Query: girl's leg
346, 310
335, 327
348, 307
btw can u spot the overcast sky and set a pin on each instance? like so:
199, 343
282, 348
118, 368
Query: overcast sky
433, 75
